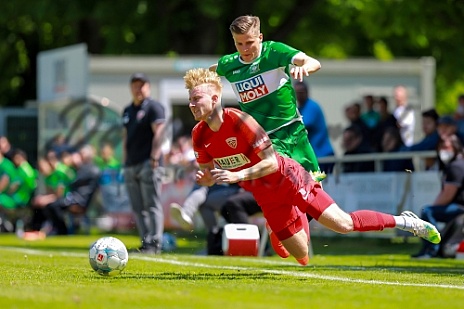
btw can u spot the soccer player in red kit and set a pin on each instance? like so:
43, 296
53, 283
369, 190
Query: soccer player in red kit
231, 147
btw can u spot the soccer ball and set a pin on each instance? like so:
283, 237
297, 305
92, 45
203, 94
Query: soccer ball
108, 256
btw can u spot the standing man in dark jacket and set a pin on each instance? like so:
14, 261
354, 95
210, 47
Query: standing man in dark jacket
144, 121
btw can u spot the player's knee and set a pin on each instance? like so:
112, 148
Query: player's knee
345, 226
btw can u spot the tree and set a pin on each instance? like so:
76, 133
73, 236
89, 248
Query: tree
330, 29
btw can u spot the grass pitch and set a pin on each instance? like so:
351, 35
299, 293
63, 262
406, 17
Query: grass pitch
344, 273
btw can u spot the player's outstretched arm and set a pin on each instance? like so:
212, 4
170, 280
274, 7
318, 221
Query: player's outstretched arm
304, 65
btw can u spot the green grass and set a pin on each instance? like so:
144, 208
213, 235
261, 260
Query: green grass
345, 272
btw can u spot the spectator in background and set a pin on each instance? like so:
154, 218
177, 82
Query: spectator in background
27, 176
386, 117
8, 185
392, 142
431, 137
144, 121
459, 115
77, 199
112, 187
447, 126
314, 121
353, 115
371, 119
449, 202
404, 115
353, 142
6, 148
429, 129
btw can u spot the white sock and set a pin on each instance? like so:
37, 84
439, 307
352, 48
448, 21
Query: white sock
402, 223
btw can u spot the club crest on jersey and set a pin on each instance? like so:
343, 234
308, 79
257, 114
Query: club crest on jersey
232, 142
254, 68
140, 115
251, 89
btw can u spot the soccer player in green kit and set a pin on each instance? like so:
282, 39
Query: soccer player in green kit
260, 77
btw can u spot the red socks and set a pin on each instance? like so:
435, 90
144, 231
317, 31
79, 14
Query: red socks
369, 220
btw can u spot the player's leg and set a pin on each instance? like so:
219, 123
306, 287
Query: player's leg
334, 218
297, 245
292, 238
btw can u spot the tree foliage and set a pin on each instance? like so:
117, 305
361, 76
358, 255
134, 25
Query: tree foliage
325, 29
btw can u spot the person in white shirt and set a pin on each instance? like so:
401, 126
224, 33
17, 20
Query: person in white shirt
404, 115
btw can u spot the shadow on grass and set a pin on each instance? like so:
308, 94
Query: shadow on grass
168, 276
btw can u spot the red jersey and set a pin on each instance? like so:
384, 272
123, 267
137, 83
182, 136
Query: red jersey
235, 146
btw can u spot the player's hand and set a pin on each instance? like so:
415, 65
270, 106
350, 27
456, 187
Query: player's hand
299, 72
204, 178
224, 176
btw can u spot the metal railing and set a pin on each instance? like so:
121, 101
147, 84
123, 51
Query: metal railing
417, 157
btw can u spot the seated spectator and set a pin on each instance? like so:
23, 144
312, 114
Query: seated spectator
8, 186
449, 202
354, 143
27, 178
77, 200
6, 148
386, 120
459, 114
431, 137
429, 129
371, 119
392, 142
112, 188
353, 115
447, 126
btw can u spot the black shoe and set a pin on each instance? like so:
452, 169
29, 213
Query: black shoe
145, 250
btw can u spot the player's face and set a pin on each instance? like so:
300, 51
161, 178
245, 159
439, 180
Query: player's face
248, 45
200, 103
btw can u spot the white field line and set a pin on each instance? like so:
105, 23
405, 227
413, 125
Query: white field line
170, 260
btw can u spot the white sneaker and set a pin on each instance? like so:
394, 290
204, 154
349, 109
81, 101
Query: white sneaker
421, 228
179, 215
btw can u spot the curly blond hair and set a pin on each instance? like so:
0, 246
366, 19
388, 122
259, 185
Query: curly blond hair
200, 76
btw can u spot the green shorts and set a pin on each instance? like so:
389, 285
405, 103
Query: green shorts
292, 141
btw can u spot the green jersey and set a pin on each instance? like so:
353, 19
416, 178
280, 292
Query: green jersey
264, 90
263, 87
7, 168
27, 176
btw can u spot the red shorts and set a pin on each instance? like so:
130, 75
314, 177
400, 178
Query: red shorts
287, 196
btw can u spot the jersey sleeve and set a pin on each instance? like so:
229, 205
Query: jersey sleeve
157, 114
199, 149
283, 53
221, 65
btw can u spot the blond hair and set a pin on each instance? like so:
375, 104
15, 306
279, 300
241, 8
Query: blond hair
245, 24
200, 76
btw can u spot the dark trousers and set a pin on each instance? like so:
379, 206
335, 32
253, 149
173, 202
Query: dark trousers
239, 207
